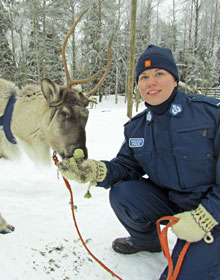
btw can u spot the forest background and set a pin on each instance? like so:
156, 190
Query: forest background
32, 33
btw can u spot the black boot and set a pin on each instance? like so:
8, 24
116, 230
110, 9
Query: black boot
126, 246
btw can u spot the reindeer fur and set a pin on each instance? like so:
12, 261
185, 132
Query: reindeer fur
44, 117
33, 123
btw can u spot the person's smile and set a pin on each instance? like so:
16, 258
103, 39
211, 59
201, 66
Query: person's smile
154, 92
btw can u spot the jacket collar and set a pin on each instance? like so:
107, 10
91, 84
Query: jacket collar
175, 110
178, 104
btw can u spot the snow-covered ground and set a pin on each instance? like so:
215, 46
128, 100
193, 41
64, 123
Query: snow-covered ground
45, 244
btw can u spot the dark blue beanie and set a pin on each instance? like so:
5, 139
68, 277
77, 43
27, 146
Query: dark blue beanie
156, 57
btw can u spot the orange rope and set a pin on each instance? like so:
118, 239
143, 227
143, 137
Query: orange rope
172, 275
76, 226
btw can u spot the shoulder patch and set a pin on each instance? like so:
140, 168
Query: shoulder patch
136, 117
202, 98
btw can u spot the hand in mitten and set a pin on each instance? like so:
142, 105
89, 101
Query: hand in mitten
195, 225
81, 170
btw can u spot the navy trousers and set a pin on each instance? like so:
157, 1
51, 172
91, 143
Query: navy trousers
138, 204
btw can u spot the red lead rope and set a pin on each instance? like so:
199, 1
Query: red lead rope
55, 159
172, 275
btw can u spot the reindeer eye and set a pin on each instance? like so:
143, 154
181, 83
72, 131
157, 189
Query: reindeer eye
64, 114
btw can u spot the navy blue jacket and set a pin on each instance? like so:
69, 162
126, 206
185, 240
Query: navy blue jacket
179, 151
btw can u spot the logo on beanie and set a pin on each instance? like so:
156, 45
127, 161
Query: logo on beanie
147, 63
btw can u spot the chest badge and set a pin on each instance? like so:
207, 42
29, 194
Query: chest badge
136, 142
175, 109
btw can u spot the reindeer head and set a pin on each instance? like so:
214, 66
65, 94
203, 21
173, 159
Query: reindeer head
69, 113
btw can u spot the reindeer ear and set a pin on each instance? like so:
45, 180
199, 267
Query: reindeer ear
51, 92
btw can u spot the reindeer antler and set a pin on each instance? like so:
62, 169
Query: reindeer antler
72, 82
82, 81
106, 71
69, 81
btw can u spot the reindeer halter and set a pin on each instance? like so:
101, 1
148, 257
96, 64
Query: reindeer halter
5, 120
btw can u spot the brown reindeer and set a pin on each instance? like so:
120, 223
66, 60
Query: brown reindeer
41, 118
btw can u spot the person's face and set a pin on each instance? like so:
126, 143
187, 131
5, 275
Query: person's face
156, 85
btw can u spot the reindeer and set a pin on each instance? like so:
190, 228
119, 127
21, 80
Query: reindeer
41, 118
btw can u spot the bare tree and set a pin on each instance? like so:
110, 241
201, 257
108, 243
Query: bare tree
174, 27
214, 24
148, 21
117, 53
31, 32
197, 5
7, 56
131, 58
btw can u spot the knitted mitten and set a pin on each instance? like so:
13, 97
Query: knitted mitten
195, 225
82, 171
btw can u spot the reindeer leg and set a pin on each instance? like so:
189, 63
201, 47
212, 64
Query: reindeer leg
4, 226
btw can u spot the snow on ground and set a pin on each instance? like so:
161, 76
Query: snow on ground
45, 244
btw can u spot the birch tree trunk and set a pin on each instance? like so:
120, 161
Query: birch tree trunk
44, 65
190, 27
174, 39
117, 51
99, 37
131, 58
148, 21
197, 9
12, 38
214, 29
36, 40
73, 45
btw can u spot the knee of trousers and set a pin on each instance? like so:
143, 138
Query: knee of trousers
126, 202
140, 200
139, 194
119, 194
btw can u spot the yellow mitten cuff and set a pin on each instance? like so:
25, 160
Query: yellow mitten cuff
101, 171
205, 220
95, 171
195, 225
